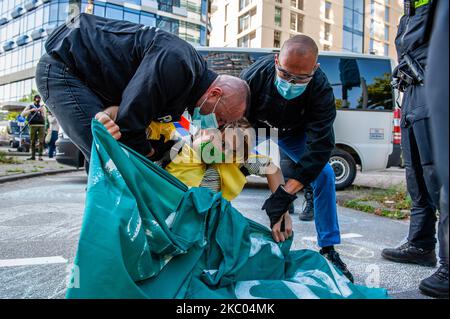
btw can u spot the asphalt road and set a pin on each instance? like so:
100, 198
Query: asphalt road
40, 220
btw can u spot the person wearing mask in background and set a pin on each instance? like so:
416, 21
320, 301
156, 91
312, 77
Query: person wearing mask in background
93, 63
52, 134
422, 181
290, 93
35, 115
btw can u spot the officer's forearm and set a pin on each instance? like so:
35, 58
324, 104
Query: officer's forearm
274, 180
293, 186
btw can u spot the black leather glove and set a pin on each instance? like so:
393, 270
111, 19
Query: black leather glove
161, 148
277, 204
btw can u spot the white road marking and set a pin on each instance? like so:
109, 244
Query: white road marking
343, 236
32, 261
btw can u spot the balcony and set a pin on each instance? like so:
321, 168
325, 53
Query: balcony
8, 45
22, 40
3, 21
37, 34
17, 12
30, 5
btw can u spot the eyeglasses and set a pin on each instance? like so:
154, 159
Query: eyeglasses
295, 78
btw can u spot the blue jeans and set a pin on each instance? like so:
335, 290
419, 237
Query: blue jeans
52, 144
325, 209
72, 102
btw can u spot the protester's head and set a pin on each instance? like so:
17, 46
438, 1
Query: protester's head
227, 97
37, 99
295, 65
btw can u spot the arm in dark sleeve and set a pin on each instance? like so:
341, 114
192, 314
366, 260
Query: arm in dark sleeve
319, 135
159, 77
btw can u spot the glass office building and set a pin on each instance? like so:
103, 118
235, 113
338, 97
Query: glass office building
25, 24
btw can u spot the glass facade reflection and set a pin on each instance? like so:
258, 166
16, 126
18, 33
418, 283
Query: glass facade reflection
25, 24
353, 26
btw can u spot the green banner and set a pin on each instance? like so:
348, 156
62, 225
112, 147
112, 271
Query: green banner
147, 235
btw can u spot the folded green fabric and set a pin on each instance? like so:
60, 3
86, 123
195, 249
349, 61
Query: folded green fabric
147, 235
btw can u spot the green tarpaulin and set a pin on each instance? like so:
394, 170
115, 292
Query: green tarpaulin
147, 235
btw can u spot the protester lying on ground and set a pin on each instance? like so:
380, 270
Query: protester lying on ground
152, 75
216, 159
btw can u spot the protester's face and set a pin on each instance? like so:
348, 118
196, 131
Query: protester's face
37, 100
295, 68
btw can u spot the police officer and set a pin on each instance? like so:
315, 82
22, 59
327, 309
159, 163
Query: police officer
290, 92
93, 63
422, 182
437, 76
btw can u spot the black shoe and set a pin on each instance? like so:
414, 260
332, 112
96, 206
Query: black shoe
436, 285
31, 159
308, 206
407, 253
335, 259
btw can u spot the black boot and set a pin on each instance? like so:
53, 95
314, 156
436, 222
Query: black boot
333, 256
407, 253
436, 285
308, 206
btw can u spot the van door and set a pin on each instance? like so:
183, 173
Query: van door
365, 104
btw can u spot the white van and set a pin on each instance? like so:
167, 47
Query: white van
364, 100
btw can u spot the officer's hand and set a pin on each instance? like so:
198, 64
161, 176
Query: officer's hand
278, 204
109, 124
282, 230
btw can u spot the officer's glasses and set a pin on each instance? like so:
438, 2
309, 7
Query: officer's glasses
304, 78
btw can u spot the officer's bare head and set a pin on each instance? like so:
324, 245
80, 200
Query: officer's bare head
228, 97
298, 56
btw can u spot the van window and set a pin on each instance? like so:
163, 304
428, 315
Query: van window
231, 63
359, 83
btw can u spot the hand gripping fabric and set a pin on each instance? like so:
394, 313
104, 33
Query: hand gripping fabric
147, 235
277, 204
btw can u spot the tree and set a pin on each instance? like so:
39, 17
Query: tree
380, 92
30, 97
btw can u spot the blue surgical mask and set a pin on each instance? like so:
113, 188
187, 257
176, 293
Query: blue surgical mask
207, 120
289, 90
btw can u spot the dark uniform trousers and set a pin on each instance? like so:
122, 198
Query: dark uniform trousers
421, 178
437, 80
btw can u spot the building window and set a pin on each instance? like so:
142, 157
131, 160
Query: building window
353, 26
245, 20
226, 12
131, 15
165, 5
148, 19
386, 14
298, 4
245, 41
386, 49
276, 39
297, 22
327, 10
114, 12
244, 3
327, 31
386, 33
326, 47
277, 16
